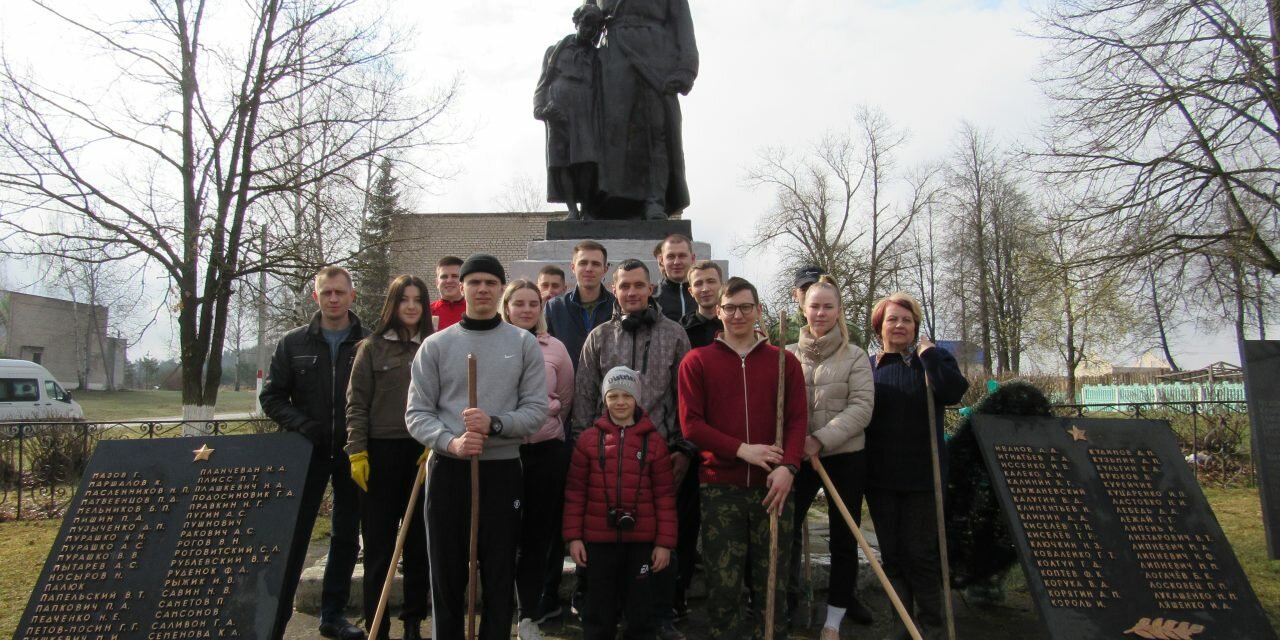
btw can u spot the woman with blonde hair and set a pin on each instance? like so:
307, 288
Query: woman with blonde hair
544, 457
837, 377
899, 467
384, 457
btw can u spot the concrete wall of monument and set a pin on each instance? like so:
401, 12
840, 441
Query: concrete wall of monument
420, 239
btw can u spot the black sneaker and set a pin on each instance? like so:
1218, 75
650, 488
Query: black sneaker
858, 613
681, 611
341, 629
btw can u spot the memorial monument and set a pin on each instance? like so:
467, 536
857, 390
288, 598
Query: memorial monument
1115, 537
1261, 359
609, 99
174, 538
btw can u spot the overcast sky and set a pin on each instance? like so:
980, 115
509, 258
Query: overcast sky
772, 74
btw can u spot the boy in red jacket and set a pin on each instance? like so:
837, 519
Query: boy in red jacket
620, 510
728, 408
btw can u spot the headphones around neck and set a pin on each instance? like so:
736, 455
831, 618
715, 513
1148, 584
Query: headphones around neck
633, 322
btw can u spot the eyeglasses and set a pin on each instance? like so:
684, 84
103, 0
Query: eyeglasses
732, 310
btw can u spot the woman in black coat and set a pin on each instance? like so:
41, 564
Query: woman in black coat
899, 480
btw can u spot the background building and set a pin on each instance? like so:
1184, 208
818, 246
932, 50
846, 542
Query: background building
68, 338
420, 239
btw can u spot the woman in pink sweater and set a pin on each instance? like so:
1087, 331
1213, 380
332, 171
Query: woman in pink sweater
544, 456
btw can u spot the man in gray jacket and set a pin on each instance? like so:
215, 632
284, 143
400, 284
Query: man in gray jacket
511, 404
639, 337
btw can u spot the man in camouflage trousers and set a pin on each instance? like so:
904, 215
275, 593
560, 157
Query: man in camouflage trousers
728, 408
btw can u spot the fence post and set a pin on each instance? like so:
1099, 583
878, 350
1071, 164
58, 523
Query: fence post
22, 432
1195, 440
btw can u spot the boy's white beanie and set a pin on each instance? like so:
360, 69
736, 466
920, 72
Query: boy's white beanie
621, 379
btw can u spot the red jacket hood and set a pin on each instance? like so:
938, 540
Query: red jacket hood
642, 426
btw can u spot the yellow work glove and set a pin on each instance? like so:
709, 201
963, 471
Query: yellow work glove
360, 470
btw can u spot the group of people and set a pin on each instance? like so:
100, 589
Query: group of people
633, 426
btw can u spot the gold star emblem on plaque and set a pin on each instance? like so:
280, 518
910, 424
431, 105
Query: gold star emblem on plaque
1077, 433
203, 453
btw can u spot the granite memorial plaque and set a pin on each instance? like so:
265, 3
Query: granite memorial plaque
173, 538
1262, 388
1113, 532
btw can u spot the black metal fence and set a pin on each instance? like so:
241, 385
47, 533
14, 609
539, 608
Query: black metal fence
1213, 434
41, 462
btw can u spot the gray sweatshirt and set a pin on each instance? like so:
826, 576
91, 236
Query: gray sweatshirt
510, 386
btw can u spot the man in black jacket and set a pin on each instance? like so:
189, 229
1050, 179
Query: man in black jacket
675, 258
703, 323
306, 391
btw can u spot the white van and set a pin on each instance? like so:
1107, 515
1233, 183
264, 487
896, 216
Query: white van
29, 392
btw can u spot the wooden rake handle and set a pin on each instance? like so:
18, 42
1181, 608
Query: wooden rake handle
866, 549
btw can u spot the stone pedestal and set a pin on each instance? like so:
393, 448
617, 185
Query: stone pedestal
613, 229
560, 252
621, 239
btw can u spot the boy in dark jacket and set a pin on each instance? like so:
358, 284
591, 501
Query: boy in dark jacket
620, 510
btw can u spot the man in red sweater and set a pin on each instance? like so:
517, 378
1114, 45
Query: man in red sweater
728, 408
449, 306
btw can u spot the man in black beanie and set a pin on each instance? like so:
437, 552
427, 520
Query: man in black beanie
511, 403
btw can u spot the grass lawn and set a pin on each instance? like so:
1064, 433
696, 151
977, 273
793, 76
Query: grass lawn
23, 548
106, 406
1239, 512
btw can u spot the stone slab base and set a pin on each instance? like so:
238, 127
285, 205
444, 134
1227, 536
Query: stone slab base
617, 229
307, 599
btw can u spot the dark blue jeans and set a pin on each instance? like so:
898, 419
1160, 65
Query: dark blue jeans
344, 543
344, 546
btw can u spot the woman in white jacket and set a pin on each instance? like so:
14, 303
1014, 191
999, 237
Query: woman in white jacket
841, 394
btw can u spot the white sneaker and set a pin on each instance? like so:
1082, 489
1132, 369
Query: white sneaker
528, 630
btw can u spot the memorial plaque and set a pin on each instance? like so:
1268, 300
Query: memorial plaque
1114, 534
173, 538
1262, 388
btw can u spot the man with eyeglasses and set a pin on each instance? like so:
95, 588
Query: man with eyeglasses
728, 408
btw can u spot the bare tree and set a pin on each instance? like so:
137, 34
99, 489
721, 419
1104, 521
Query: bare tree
1162, 289
833, 208
993, 240
1229, 288
1169, 112
1082, 313
521, 195
108, 297
209, 110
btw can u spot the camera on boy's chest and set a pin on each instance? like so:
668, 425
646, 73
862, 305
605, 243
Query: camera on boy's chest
622, 519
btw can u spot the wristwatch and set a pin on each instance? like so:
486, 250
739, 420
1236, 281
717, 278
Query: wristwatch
495, 426
795, 471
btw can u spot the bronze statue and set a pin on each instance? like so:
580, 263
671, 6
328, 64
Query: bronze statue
567, 101
647, 56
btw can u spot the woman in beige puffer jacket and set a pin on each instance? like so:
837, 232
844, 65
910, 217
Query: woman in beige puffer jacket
841, 394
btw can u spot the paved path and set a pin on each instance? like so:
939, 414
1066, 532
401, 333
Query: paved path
1015, 620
